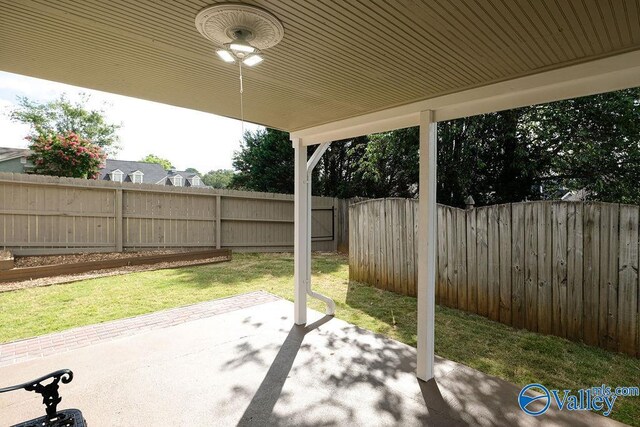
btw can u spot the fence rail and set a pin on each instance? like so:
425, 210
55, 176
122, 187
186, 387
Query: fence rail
49, 215
563, 268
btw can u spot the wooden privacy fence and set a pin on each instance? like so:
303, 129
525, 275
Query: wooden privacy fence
49, 215
563, 268
343, 222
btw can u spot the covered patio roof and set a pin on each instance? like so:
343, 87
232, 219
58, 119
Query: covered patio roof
338, 59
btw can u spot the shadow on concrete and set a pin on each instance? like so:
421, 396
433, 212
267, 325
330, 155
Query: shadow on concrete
347, 359
260, 408
360, 375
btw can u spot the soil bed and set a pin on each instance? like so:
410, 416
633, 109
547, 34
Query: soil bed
39, 261
36, 261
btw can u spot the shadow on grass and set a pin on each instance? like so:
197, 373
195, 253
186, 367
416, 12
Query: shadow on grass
247, 268
398, 312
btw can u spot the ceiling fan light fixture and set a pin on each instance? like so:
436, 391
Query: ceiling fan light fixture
241, 46
225, 55
241, 30
252, 60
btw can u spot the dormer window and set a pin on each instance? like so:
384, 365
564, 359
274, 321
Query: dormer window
137, 177
195, 181
116, 175
176, 181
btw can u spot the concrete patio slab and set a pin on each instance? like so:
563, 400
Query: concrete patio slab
250, 366
71, 339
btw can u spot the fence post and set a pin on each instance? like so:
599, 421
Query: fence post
218, 221
343, 225
469, 202
336, 205
118, 229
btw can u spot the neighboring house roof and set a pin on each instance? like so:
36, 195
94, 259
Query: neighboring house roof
7, 153
187, 176
153, 173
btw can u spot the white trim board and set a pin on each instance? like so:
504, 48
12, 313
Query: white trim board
589, 78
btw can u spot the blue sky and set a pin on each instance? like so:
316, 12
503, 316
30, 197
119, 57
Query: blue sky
187, 138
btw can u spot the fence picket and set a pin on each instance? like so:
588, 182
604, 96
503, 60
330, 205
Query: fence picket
575, 269
452, 267
518, 317
376, 256
545, 312
493, 270
628, 279
461, 259
397, 245
472, 265
482, 261
559, 256
402, 243
608, 276
390, 241
441, 277
591, 274
371, 271
411, 249
384, 265
504, 244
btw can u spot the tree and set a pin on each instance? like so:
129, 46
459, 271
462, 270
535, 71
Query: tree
152, 158
66, 155
489, 157
61, 116
389, 167
220, 178
336, 175
192, 170
264, 162
529, 153
594, 144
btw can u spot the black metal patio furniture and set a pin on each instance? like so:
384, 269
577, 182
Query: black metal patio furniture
50, 398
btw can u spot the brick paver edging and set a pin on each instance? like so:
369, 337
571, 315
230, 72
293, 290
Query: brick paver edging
59, 342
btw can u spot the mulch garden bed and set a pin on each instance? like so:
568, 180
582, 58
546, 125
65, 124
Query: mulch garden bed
36, 261
46, 270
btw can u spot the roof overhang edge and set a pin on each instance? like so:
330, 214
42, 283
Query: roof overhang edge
603, 75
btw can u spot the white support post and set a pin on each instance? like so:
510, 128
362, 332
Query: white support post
427, 245
301, 200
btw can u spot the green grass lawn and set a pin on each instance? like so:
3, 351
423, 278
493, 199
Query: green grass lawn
517, 356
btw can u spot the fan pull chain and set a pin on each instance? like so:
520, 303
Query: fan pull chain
241, 101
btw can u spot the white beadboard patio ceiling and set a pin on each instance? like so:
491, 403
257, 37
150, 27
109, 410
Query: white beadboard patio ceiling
338, 59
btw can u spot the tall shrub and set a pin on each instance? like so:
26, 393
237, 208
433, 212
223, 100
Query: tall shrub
66, 155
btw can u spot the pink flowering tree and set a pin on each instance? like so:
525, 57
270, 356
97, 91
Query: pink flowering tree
66, 155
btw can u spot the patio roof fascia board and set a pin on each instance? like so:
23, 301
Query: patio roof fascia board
603, 75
